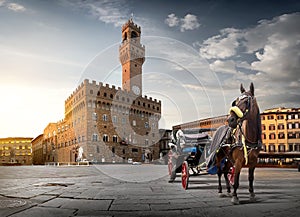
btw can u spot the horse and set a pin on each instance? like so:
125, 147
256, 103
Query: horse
219, 162
245, 122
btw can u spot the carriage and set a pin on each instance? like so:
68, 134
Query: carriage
188, 154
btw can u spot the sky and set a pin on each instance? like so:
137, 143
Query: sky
197, 55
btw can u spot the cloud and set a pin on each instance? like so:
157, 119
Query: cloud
221, 46
107, 11
189, 22
227, 66
172, 20
16, 7
267, 54
12, 6
2, 2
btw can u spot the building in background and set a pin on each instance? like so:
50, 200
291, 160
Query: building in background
280, 135
207, 123
15, 150
38, 154
105, 123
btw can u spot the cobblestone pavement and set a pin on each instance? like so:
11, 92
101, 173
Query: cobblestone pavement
139, 190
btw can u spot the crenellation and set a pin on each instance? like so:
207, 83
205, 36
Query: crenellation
95, 111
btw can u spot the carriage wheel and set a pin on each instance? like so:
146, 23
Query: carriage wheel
185, 175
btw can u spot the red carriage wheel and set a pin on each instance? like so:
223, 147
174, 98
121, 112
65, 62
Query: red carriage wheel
185, 175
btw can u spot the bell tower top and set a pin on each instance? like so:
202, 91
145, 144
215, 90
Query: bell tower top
132, 57
130, 30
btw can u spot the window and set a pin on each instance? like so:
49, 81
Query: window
272, 136
98, 149
297, 147
291, 136
123, 121
291, 147
104, 117
114, 119
146, 125
281, 126
146, 142
94, 116
105, 138
272, 148
113, 151
281, 136
272, 127
95, 137
91, 91
115, 138
134, 150
281, 148
133, 123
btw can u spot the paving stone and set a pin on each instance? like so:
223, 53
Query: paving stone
44, 212
129, 207
81, 204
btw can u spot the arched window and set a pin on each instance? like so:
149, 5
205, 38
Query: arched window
134, 34
105, 138
115, 138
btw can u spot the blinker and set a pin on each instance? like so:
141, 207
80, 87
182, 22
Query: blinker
237, 111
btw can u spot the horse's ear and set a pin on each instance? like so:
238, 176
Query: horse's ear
242, 89
252, 89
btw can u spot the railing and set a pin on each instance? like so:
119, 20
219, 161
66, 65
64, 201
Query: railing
83, 163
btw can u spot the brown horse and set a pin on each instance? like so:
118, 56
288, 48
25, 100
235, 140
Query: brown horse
245, 121
223, 138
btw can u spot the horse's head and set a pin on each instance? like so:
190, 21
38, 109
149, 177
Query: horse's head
241, 106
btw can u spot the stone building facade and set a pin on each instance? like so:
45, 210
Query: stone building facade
207, 123
105, 123
281, 134
15, 150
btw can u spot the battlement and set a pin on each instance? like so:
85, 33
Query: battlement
99, 85
132, 25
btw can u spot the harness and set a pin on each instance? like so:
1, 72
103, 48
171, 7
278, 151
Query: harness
241, 117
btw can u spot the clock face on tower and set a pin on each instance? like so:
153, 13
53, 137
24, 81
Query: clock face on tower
136, 90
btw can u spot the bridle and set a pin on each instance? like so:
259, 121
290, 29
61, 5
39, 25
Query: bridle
241, 116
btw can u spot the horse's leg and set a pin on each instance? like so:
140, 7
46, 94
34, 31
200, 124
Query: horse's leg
227, 182
219, 180
251, 179
238, 167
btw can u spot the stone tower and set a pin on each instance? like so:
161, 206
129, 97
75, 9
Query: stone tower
132, 57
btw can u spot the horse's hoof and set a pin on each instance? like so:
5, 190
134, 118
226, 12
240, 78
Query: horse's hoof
228, 194
235, 200
252, 197
221, 195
